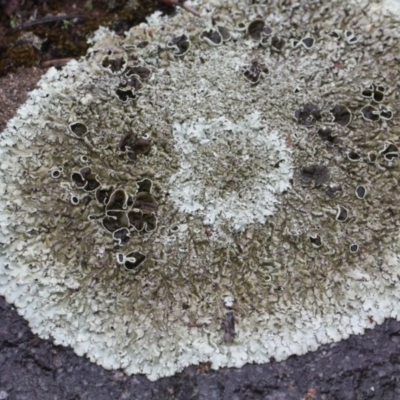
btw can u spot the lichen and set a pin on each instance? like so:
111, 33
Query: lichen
220, 189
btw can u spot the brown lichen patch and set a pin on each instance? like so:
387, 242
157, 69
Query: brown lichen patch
204, 368
19, 55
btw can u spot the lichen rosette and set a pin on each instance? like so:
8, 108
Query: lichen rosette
220, 189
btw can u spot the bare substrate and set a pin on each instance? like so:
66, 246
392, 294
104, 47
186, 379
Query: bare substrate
363, 367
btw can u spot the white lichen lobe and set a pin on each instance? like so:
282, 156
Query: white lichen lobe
220, 189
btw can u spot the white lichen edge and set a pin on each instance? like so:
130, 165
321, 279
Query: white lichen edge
252, 345
296, 331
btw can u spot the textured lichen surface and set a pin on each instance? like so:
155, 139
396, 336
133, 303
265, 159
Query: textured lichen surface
219, 189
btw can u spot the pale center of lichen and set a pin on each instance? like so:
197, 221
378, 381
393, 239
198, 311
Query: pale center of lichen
230, 171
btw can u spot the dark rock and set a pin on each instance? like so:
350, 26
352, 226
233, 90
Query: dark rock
361, 368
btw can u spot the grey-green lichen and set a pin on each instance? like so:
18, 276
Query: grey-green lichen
219, 189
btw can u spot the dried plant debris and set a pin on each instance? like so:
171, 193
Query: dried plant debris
161, 207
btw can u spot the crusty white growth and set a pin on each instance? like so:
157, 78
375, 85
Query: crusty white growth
390, 7
213, 154
175, 198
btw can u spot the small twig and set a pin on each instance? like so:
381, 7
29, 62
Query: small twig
190, 9
196, 324
55, 63
181, 3
47, 20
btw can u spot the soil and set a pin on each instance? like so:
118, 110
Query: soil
361, 368
35, 32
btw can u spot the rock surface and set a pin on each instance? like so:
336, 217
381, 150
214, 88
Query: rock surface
361, 368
